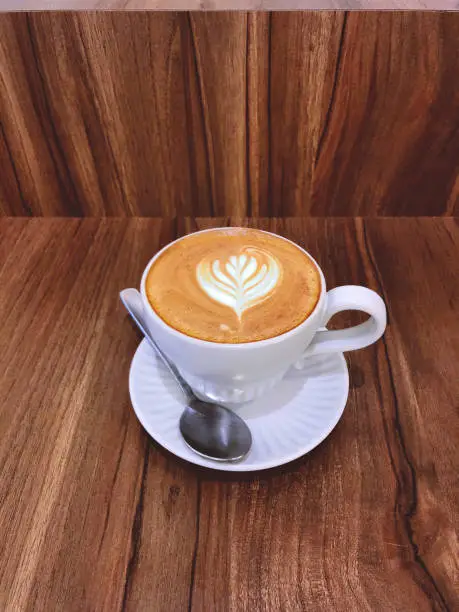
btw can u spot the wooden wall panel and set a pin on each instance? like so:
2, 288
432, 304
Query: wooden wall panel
307, 113
393, 127
304, 58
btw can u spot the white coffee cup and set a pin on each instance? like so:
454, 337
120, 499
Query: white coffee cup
235, 373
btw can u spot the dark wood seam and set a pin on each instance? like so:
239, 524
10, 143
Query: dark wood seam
115, 475
249, 208
269, 118
76, 209
203, 114
196, 546
187, 77
334, 87
92, 97
24, 202
136, 532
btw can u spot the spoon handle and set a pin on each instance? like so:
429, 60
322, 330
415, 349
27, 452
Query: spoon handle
132, 301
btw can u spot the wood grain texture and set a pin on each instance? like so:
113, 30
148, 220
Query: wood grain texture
229, 113
95, 516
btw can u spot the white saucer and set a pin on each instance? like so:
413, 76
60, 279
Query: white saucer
286, 423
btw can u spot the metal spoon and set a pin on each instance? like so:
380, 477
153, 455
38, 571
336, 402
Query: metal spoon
211, 430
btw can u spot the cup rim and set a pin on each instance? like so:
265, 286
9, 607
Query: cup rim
230, 345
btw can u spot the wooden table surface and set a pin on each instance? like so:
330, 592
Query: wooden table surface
95, 515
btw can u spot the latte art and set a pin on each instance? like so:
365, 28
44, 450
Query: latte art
233, 285
243, 281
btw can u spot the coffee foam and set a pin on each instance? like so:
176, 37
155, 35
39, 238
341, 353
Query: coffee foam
233, 285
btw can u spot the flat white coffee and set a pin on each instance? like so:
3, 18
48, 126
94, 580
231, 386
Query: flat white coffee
233, 285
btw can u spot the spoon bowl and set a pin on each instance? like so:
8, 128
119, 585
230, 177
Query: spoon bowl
207, 426
209, 429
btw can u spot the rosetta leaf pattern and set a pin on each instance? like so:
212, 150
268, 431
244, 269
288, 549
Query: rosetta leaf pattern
242, 281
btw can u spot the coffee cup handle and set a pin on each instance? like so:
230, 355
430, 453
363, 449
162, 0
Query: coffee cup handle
350, 297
